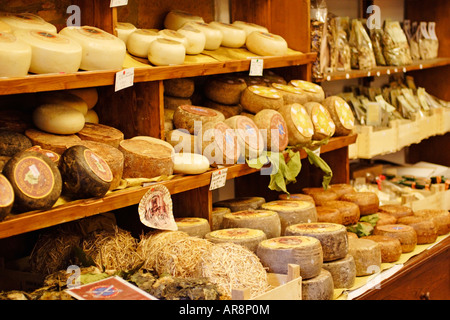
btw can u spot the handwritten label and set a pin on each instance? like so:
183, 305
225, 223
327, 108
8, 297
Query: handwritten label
256, 67
218, 179
124, 79
118, 3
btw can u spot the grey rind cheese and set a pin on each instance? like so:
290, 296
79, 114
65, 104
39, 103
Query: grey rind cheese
320, 287
242, 203
217, 217
246, 237
391, 249
193, 226
264, 220
367, 256
343, 271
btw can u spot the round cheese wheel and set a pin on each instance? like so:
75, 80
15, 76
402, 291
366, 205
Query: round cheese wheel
396, 210
156, 141
175, 36
391, 249
168, 114
266, 44
343, 271
27, 21
292, 212
352, 235
277, 253
193, 226
225, 89
196, 39
404, 233
51, 52
256, 98
314, 91
425, 228
440, 217
145, 159
190, 163
35, 179
332, 237
271, 77
296, 197
242, 203
249, 27
5, 28
233, 37
300, 127
175, 19
63, 98
91, 117
166, 52
186, 116
217, 217
15, 56
320, 195
264, 220
273, 129
323, 123
101, 133
341, 188
182, 141
89, 95
227, 110
329, 214
139, 41
3, 161
213, 36
6, 197
341, 114
101, 50
54, 142
320, 287
172, 103
180, 87
246, 237
385, 218
367, 256
12, 142
367, 202
123, 30
291, 94
51, 154
58, 119
248, 136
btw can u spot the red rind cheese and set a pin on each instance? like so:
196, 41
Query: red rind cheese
425, 228
396, 210
101, 133
49, 153
404, 233
54, 142
349, 210
6, 197
188, 116
391, 248
368, 202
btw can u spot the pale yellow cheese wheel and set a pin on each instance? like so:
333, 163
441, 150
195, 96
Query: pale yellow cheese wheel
139, 41
15, 56
193, 226
266, 44
58, 119
233, 37
26, 21
299, 124
246, 237
264, 220
175, 19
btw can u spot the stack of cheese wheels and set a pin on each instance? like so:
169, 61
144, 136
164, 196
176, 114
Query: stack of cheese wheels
225, 89
123, 30
367, 202
166, 52
190, 163
291, 94
54, 142
300, 127
63, 53
246, 237
182, 141
26, 21
219, 143
213, 36
391, 248
187, 116
385, 218
332, 237
241, 204
175, 19
320, 287
277, 253
396, 210
440, 217
12, 142
58, 119
248, 136
101, 133
227, 110
139, 41
273, 129
323, 123
64, 98
217, 214
145, 159
349, 210
404, 233
367, 256
341, 114
196, 39
36, 181
179, 87
233, 37
426, 229
292, 212
100, 49
343, 271
321, 196
249, 27
15, 56
266, 44
175, 36
296, 197
342, 188
264, 220
256, 98
51, 154
329, 214
193, 226
6, 197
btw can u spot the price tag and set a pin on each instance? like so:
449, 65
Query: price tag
218, 179
256, 67
124, 79
118, 3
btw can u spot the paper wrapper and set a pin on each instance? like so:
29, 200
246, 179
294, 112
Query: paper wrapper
155, 209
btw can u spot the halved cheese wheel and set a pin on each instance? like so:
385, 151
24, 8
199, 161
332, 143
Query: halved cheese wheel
166, 52
195, 39
440, 217
425, 228
175, 19
182, 141
190, 163
341, 114
51, 52
391, 249
343, 271
175, 36
249, 27
101, 133
264, 220
193, 226
91, 116
227, 110
291, 94
12, 142
217, 217
213, 36
89, 95
314, 91
63, 98
139, 41
101, 50
367, 256
27, 21
273, 129
186, 117
248, 136
320, 287
246, 237
123, 30
6, 197
53, 142
225, 89
266, 44
320, 195
323, 124
300, 127
180, 87
277, 253
341, 188
233, 37
58, 119
404, 233
256, 98
396, 210
242, 203
385, 218
332, 237
15, 56
367, 202
296, 197
329, 214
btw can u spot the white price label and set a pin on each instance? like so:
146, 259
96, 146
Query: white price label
118, 3
317, 151
256, 67
124, 79
218, 179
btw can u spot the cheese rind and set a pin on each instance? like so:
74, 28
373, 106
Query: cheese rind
193, 226
89, 95
367, 202
190, 163
320, 195
165, 52
266, 44
26, 21
15, 56
300, 127
425, 228
313, 90
247, 237
273, 129
256, 98
175, 19
341, 114
179, 87
124, 29
349, 210
391, 249
213, 36
139, 41
195, 39
186, 117
329, 214
101, 133
320, 287
404, 233
175, 36
233, 37
343, 271
248, 136
12, 142
53, 142
182, 141
58, 119
217, 217
367, 256
6, 197
242, 203
264, 220
440, 217
225, 89
249, 27
291, 94
323, 123
395, 210
296, 197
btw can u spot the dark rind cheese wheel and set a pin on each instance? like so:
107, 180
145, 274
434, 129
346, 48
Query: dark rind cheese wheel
256, 98
186, 116
440, 217
49, 153
172, 103
240, 204
85, 174
6, 197
425, 228
296, 196
342, 188
224, 89
320, 195
273, 129
329, 214
182, 87
343, 271
367, 202
350, 211
396, 210
341, 114
290, 93
227, 110
3, 161
54, 142
320, 287
35, 179
101, 133
391, 249
406, 234
264, 220
13, 142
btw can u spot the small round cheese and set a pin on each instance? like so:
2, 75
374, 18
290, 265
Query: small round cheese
296, 197
440, 217
349, 210
368, 202
367, 256
343, 271
342, 188
225, 89
154, 140
264, 220
195, 39
256, 98
123, 30
27, 21
63, 98
190, 163
320, 287
402, 232
273, 129
324, 126
176, 19
186, 117
320, 195
341, 114
179, 87
101, 133
15, 56
425, 228
227, 110
165, 52
391, 248
396, 210
58, 119
248, 136
291, 94
193, 226
242, 203
91, 116
329, 214
233, 37
300, 127
249, 238
314, 91
174, 35
249, 27
173, 103
385, 218
139, 41
182, 141
217, 217
213, 36
266, 44
54, 142
89, 95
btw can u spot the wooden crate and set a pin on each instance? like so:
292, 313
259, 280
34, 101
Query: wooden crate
407, 132
353, 151
427, 126
372, 142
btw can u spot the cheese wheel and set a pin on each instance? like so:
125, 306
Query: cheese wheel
426, 229
225, 89
271, 77
166, 52
227, 110
193, 226
6, 197
12, 142
273, 129
180, 87
320, 287
291, 94
168, 114
332, 237
341, 188
323, 124
233, 37
292, 212
300, 127
91, 117
296, 197
277, 253
190, 163
89, 95
53, 142
85, 173
175, 36
320, 195
249, 27
35, 179
58, 119
123, 30
213, 36
396, 210
3, 161
195, 39
391, 249
217, 217
101, 50
186, 116
266, 44
241, 204
246, 237
385, 218
26, 21
139, 41
15, 56
175, 19
329, 214
51, 154
256, 98
440, 217
101, 133
5, 28
367, 202
367, 256
63, 98
172, 103
264, 220
182, 141
343, 271
248, 136
51, 52
352, 235
341, 114
313, 90
404, 233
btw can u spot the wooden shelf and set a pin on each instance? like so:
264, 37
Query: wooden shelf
15, 224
